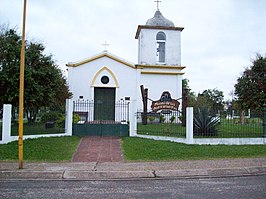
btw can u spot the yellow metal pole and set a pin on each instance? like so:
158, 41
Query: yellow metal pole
21, 90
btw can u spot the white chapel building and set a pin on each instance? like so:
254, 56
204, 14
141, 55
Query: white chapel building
107, 78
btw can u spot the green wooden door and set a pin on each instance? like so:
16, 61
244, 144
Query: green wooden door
104, 104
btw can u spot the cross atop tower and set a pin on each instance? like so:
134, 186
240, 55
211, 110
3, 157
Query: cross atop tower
157, 1
105, 45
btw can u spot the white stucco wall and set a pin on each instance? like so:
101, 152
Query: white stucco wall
126, 79
157, 84
147, 47
81, 78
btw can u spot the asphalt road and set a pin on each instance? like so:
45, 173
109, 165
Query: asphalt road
230, 187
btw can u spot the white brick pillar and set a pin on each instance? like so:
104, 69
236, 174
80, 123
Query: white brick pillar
189, 126
6, 127
69, 115
132, 119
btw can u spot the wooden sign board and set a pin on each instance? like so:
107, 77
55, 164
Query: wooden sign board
165, 103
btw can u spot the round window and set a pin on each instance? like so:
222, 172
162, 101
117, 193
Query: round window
105, 79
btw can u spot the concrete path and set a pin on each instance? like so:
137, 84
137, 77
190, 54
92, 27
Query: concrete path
134, 170
99, 149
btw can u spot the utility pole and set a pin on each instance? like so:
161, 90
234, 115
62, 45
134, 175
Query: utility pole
21, 90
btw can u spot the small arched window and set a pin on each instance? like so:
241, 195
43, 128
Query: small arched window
160, 45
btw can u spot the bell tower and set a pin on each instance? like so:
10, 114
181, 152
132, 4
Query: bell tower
159, 42
159, 57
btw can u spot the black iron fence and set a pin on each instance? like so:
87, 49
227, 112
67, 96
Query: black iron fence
165, 123
95, 112
231, 128
204, 125
40, 121
227, 126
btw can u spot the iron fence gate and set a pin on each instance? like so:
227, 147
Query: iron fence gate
99, 118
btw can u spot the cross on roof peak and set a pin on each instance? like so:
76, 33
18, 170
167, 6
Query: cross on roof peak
157, 1
105, 45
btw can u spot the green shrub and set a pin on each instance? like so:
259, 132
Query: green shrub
60, 122
204, 123
75, 118
162, 118
172, 119
51, 116
151, 118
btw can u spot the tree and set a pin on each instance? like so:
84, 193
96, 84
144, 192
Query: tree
187, 98
45, 84
191, 94
10, 44
215, 98
211, 99
250, 88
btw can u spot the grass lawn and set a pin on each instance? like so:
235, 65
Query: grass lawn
42, 149
165, 129
138, 149
56, 149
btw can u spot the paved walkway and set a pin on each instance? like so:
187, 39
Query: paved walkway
99, 149
133, 170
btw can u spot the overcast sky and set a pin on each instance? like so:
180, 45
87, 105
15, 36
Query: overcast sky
220, 36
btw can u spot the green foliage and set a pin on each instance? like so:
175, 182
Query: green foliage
211, 98
60, 122
185, 83
51, 116
151, 118
180, 117
45, 84
215, 98
162, 118
172, 119
204, 123
191, 94
251, 86
75, 119
10, 44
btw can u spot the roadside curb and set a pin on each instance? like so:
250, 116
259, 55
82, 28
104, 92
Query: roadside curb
149, 174
103, 175
30, 175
